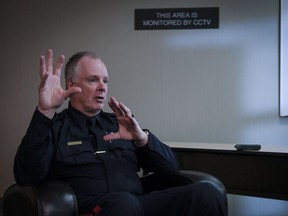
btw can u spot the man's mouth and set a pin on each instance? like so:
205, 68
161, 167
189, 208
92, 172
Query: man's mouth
100, 99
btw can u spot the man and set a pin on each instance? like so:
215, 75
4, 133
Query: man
97, 153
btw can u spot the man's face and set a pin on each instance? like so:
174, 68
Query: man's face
92, 78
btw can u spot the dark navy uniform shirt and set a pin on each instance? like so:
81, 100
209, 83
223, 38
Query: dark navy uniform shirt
71, 147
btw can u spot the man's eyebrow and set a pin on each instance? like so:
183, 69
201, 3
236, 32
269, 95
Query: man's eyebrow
97, 76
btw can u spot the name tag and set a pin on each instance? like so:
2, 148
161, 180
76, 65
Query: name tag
74, 143
100, 152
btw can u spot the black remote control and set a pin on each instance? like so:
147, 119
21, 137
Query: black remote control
243, 147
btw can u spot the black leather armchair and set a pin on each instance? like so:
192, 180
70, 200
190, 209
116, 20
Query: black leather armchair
55, 198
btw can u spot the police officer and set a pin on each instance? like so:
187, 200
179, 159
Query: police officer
98, 153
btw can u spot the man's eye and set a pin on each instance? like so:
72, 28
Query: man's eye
96, 80
92, 80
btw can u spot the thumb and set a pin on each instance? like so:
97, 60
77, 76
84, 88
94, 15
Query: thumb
112, 136
71, 91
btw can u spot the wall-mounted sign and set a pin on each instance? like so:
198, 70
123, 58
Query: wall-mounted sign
177, 18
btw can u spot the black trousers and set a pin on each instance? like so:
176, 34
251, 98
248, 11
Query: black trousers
201, 199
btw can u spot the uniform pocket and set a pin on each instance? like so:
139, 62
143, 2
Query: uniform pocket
77, 151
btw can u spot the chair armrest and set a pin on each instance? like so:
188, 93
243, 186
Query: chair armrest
197, 177
161, 181
48, 198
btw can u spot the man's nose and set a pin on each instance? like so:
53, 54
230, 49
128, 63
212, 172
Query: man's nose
102, 86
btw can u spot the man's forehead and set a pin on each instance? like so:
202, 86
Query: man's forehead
88, 60
92, 67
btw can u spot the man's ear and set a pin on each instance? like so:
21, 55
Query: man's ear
69, 84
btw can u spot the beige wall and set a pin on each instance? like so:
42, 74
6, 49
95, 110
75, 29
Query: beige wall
218, 86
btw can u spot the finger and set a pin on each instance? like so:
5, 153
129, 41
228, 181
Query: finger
42, 69
114, 105
49, 61
125, 109
59, 65
43, 81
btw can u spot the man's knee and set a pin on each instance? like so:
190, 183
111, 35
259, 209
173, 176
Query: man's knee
126, 199
209, 198
122, 203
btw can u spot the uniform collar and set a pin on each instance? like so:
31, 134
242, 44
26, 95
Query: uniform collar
81, 119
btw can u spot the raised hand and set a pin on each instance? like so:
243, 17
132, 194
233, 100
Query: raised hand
129, 128
51, 94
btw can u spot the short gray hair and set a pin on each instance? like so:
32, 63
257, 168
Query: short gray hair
72, 64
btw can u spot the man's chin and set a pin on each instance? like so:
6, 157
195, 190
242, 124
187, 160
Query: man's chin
94, 110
